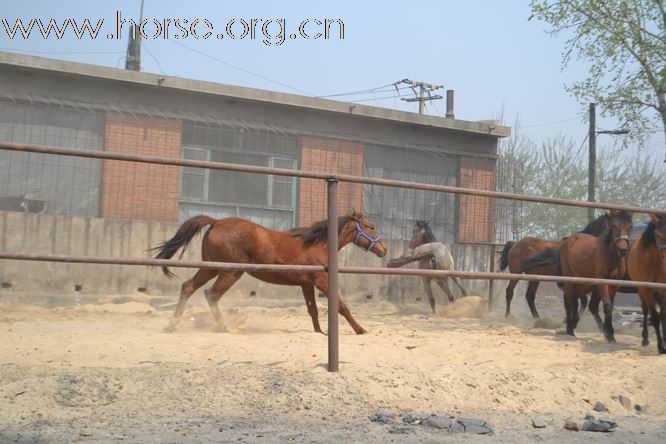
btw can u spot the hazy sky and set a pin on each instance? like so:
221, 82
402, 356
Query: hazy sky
487, 51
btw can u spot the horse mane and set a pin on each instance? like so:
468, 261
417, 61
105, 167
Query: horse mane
317, 232
597, 226
428, 236
649, 238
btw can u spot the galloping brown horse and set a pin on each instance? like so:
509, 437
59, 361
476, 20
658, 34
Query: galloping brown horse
647, 262
238, 240
514, 254
583, 255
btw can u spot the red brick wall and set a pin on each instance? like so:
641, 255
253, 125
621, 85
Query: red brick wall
333, 156
140, 190
476, 218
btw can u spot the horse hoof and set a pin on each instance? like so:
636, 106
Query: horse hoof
361, 332
645, 343
170, 328
662, 351
612, 341
219, 328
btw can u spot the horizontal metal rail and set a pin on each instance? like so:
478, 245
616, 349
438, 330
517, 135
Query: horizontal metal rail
173, 161
275, 268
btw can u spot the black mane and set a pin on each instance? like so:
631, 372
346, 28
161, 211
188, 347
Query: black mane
649, 238
597, 226
428, 235
317, 232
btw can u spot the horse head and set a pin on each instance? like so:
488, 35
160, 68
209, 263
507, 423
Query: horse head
621, 226
422, 234
365, 234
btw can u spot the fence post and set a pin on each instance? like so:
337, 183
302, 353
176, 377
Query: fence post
333, 363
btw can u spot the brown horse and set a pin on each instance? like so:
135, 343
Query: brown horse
515, 253
583, 255
238, 240
647, 262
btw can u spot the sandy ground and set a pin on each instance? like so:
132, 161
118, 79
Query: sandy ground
107, 373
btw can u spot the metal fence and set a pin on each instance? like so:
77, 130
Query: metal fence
331, 181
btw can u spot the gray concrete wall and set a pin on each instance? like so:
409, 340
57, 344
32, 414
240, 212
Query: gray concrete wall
54, 234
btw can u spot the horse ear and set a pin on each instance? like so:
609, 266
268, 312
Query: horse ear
654, 217
353, 214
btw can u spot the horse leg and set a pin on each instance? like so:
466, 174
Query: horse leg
189, 286
531, 296
662, 312
427, 285
444, 285
322, 285
608, 313
583, 305
594, 309
654, 319
223, 283
456, 280
574, 312
509, 296
569, 297
311, 302
646, 313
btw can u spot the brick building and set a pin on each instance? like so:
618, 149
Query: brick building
57, 103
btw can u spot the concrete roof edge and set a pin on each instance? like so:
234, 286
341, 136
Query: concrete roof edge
250, 94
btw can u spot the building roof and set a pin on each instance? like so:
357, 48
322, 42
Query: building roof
240, 93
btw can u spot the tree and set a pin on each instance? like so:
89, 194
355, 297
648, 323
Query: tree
625, 42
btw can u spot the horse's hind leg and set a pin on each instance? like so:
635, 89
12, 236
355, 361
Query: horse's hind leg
509, 296
646, 313
609, 332
456, 280
427, 286
569, 296
532, 288
444, 285
189, 286
311, 302
594, 309
322, 284
223, 283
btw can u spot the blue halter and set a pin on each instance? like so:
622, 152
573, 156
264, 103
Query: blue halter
362, 234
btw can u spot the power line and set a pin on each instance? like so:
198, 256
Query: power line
364, 91
150, 53
238, 68
550, 123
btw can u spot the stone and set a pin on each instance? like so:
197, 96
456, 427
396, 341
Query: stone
589, 416
438, 422
572, 425
382, 417
415, 419
599, 425
599, 407
626, 402
396, 430
538, 422
640, 408
474, 425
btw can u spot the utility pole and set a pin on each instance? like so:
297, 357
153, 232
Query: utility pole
424, 93
592, 160
133, 58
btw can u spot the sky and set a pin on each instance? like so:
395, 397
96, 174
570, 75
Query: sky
497, 61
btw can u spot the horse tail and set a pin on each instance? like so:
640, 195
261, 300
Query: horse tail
181, 239
546, 257
504, 257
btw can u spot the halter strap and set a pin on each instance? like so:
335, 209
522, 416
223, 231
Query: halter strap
622, 238
661, 246
362, 234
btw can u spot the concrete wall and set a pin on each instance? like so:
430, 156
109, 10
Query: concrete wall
52, 234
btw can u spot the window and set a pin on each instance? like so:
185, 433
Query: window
35, 182
395, 210
265, 199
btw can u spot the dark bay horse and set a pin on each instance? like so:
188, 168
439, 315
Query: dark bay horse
515, 253
433, 255
238, 240
647, 262
583, 255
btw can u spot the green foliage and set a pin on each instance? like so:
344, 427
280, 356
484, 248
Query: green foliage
625, 43
558, 168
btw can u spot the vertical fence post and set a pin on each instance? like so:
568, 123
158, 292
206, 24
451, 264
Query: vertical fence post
491, 282
333, 363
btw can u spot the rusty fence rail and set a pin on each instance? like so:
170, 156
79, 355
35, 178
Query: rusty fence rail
333, 270
276, 268
175, 161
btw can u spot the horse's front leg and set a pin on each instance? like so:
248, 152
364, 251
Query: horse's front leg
322, 284
609, 332
427, 285
569, 296
311, 303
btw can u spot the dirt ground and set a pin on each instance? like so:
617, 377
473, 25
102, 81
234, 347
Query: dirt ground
107, 373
